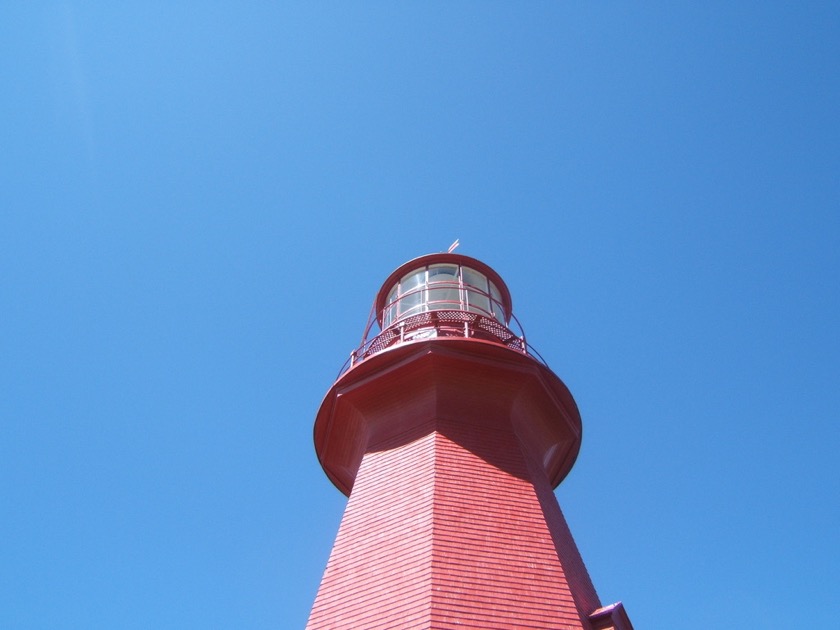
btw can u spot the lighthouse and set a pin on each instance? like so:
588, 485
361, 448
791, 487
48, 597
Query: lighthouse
448, 433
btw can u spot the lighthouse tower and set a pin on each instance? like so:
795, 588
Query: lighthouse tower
449, 434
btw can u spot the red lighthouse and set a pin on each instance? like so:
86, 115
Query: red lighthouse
448, 434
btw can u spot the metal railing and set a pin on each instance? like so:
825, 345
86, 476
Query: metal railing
441, 323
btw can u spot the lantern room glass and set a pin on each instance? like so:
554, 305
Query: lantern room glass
443, 287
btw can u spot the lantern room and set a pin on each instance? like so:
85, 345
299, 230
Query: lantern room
450, 285
443, 282
440, 295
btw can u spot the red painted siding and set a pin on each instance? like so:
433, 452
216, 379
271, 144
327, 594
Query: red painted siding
455, 529
379, 571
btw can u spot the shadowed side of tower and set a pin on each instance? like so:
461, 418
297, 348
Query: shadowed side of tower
448, 437
495, 561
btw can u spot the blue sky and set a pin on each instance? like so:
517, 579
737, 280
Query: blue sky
197, 207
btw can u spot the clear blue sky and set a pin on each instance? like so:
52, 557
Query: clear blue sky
197, 207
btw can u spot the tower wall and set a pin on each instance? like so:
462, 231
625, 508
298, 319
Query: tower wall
379, 574
451, 522
448, 528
